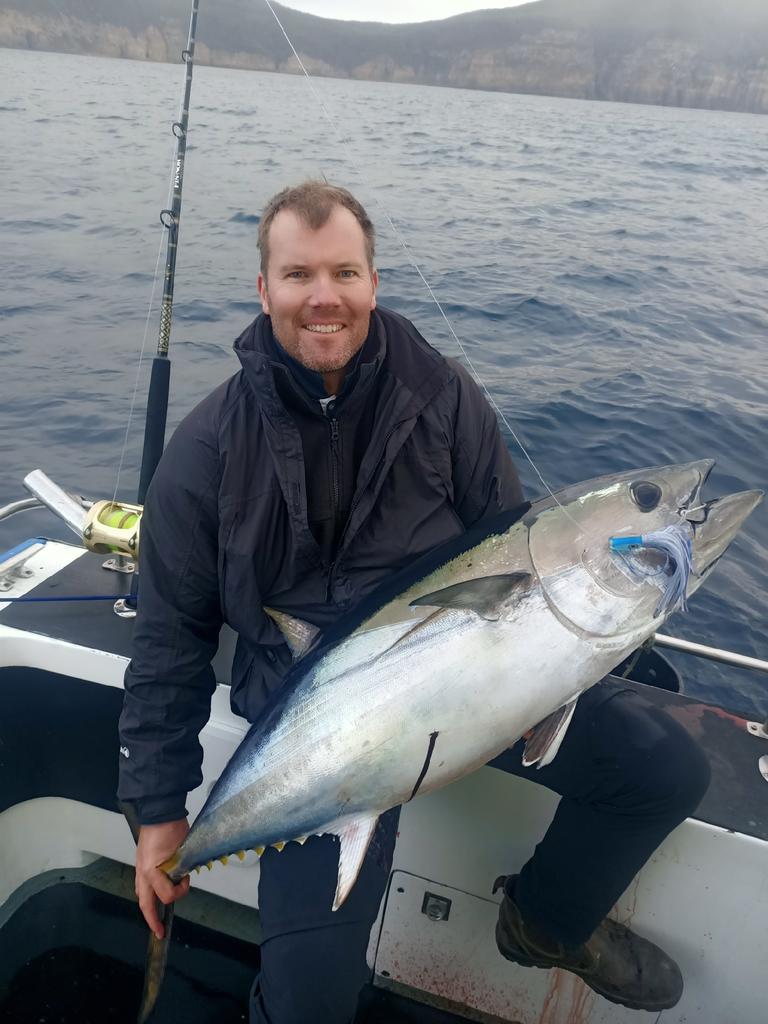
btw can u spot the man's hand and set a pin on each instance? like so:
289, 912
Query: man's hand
156, 844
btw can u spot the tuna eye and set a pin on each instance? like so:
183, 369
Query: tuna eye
645, 495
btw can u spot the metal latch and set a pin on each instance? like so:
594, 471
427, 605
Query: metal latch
13, 564
437, 908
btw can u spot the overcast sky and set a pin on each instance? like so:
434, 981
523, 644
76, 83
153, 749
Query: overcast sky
394, 10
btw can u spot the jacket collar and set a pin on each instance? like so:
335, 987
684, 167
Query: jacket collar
417, 370
269, 369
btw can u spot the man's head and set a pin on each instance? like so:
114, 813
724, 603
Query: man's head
317, 281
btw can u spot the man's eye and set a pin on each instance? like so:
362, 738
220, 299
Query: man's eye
297, 274
348, 273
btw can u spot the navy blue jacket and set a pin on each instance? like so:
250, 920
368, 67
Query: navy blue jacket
225, 531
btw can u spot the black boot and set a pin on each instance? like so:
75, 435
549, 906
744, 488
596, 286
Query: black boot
616, 963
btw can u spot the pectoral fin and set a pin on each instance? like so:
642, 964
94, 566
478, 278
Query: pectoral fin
545, 739
483, 595
354, 839
299, 635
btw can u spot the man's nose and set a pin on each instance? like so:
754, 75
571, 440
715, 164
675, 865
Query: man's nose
324, 291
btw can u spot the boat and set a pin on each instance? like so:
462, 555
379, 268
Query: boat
71, 935
66, 851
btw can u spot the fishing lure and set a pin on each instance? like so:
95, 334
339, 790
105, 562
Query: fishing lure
673, 574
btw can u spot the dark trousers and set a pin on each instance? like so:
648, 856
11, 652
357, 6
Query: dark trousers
627, 774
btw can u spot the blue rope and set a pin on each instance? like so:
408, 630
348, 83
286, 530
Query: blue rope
84, 597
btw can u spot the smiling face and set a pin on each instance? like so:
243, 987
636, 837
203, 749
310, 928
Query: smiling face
319, 291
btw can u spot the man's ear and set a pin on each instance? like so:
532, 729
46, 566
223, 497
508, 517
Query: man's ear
261, 284
375, 279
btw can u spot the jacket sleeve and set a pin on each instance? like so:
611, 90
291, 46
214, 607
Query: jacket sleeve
169, 681
485, 481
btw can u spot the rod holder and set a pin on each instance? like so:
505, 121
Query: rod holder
57, 500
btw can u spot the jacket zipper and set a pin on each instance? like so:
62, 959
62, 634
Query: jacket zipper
333, 423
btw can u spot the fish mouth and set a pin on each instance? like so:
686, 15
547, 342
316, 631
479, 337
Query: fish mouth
703, 467
715, 523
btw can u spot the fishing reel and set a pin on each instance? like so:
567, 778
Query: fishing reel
113, 527
106, 527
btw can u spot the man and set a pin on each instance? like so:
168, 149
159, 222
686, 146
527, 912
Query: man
345, 447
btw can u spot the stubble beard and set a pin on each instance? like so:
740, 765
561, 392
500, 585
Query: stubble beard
330, 362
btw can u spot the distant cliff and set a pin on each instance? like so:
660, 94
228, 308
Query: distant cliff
690, 53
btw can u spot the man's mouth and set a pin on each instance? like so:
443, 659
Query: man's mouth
324, 328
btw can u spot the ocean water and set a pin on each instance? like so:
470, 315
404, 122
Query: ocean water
604, 264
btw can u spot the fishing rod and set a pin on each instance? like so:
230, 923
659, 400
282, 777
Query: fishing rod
157, 401
154, 441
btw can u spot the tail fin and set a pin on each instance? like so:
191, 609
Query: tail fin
154, 965
157, 949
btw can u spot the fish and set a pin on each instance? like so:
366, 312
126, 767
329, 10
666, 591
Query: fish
416, 689
489, 638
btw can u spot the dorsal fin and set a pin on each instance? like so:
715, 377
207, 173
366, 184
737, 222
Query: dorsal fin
482, 595
299, 635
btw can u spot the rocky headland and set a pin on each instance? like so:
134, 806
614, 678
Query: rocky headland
689, 53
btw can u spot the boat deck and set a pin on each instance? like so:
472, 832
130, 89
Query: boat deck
92, 972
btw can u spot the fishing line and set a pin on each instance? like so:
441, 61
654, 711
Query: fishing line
333, 122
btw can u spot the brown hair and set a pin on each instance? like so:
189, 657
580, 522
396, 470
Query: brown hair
313, 202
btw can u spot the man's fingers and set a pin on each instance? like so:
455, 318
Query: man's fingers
163, 887
153, 886
166, 891
156, 844
148, 905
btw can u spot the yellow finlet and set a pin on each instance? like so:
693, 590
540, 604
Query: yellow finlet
258, 850
279, 846
196, 870
301, 840
224, 860
241, 854
209, 865
170, 865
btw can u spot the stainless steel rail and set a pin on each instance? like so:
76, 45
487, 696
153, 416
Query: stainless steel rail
711, 653
23, 505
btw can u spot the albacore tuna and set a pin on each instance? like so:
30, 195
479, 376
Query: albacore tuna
490, 637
